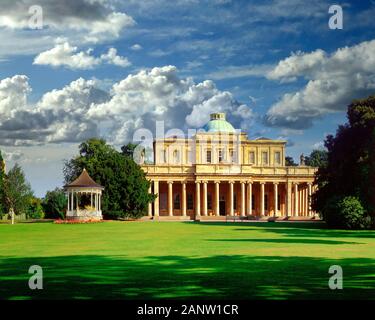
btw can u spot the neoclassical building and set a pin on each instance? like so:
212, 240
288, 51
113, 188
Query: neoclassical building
219, 172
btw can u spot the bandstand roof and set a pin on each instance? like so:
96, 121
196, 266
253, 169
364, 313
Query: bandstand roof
84, 181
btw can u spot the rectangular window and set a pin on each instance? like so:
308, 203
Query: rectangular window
190, 202
252, 157
278, 202
265, 158
208, 156
176, 156
265, 202
232, 155
235, 201
163, 201
209, 201
189, 156
253, 202
163, 156
220, 155
277, 158
177, 202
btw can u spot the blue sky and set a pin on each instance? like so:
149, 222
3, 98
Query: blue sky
108, 68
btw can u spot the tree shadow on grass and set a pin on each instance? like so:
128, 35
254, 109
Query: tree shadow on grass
299, 229
214, 277
294, 240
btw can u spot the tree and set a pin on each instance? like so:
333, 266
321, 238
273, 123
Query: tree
128, 149
2, 177
35, 209
17, 191
54, 204
317, 158
125, 183
289, 162
350, 168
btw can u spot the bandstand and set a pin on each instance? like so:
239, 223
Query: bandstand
84, 198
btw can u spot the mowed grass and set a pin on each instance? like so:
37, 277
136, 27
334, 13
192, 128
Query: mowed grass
142, 260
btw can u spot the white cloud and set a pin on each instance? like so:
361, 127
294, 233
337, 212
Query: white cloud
136, 47
63, 54
13, 156
94, 20
13, 94
232, 72
333, 81
112, 58
81, 110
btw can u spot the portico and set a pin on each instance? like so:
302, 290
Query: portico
232, 198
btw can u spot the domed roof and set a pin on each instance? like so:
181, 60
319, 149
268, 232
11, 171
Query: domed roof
218, 124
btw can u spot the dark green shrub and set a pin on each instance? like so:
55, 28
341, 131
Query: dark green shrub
351, 212
346, 212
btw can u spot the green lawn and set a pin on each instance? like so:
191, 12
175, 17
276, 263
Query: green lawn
129, 260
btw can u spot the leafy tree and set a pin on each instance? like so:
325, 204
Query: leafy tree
128, 149
317, 158
126, 186
2, 177
350, 168
17, 191
54, 204
35, 209
289, 162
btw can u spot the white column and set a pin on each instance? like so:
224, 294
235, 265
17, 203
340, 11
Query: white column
309, 199
217, 198
197, 199
275, 193
249, 198
68, 207
295, 199
156, 202
150, 204
304, 194
183, 187
96, 201
262, 198
205, 198
170, 198
231, 198
288, 204
72, 201
243, 203
100, 202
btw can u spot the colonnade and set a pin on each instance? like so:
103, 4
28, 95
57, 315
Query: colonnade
296, 198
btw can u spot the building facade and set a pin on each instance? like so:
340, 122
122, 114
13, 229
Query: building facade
220, 172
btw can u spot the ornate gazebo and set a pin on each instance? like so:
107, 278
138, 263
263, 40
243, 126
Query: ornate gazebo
84, 198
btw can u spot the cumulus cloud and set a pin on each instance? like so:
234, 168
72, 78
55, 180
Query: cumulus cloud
160, 94
333, 80
63, 54
13, 95
59, 116
81, 110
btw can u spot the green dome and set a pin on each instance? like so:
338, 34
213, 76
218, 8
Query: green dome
218, 124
